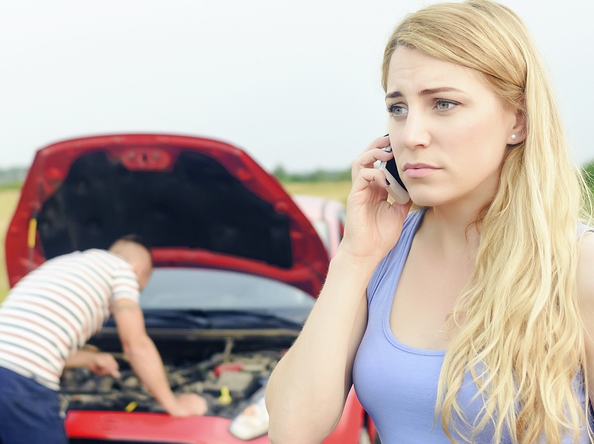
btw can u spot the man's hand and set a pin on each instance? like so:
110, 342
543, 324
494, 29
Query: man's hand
146, 361
188, 405
98, 362
104, 364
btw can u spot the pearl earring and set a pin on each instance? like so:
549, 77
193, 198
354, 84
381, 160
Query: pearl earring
513, 137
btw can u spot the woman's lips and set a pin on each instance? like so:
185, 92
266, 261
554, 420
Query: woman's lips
417, 170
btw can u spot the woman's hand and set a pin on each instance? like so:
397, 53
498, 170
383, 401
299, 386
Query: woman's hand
373, 225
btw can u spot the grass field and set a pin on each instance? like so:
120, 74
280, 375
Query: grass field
330, 190
9, 199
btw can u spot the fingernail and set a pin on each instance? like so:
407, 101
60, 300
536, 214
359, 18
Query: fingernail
387, 182
388, 149
386, 135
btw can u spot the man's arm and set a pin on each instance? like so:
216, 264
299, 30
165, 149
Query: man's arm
98, 362
146, 361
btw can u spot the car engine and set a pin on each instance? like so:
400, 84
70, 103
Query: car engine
225, 380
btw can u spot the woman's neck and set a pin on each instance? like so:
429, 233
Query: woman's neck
453, 232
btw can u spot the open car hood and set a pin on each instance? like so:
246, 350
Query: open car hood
198, 202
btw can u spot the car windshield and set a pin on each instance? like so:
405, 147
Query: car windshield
203, 289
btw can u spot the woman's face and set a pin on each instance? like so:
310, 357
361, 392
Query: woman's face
448, 129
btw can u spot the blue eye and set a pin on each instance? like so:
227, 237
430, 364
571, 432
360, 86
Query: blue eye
397, 110
444, 105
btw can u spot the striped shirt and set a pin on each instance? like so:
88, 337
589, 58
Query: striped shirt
53, 311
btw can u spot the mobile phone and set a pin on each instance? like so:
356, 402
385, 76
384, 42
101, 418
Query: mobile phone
396, 189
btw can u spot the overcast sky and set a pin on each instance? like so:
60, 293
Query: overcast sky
294, 83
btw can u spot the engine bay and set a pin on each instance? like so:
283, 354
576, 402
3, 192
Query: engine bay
226, 379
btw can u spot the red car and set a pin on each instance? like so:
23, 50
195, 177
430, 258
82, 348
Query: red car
237, 268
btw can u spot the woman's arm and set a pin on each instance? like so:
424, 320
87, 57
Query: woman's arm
307, 390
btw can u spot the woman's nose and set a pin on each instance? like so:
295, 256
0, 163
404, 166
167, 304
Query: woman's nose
415, 133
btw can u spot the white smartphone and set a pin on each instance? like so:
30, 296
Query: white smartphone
396, 189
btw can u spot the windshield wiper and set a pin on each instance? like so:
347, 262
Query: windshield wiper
248, 318
176, 318
213, 319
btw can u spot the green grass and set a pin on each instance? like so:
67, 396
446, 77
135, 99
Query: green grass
10, 186
331, 190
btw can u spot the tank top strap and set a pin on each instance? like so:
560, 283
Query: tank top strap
393, 263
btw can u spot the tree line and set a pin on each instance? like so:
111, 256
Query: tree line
12, 177
319, 175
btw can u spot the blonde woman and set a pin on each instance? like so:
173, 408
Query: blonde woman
471, 318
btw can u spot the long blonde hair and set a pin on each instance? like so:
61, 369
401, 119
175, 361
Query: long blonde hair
521, 334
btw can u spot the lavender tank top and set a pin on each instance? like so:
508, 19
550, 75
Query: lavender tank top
397, 383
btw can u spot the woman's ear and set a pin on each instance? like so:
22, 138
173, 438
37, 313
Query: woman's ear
518, 133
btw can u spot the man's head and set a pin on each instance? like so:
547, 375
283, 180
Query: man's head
137, 253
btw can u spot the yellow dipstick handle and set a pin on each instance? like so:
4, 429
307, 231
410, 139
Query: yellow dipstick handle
32, 232
130, 407
225, 397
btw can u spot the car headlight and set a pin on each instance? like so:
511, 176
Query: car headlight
252, 420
